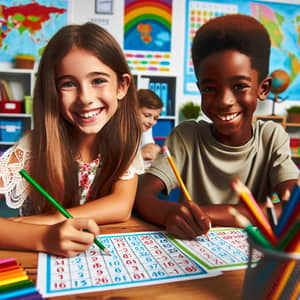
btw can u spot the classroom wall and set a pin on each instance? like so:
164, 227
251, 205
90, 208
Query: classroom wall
81, 11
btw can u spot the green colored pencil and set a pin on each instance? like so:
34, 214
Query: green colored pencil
57, 205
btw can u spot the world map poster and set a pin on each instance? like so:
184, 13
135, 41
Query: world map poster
27, 26
282, 20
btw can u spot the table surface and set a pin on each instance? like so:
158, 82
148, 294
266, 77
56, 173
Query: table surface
226, 286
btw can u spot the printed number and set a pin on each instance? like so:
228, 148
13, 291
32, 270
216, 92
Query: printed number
191, 269
60, 285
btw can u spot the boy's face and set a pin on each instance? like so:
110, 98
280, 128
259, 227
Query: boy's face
229, 88
149, 117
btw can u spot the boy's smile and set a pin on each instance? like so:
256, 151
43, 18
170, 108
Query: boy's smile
229, 89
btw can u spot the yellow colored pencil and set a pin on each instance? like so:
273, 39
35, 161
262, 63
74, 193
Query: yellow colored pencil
185, 192
261, 220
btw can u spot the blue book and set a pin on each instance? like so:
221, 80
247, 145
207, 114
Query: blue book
164, 98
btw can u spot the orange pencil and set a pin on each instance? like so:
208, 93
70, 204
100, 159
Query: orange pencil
12, 280
11, 274
260, 219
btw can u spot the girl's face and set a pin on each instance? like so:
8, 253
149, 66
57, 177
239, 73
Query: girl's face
229, 88
89, 90
149, 117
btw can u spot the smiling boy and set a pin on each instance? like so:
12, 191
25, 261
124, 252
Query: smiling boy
231, 60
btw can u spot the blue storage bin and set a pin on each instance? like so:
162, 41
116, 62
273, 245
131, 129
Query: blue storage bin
10, 130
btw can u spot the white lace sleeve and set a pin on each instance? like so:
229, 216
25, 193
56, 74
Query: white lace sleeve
137, 167
14, 187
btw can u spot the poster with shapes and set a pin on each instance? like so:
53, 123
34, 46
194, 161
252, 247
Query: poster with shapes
147, 34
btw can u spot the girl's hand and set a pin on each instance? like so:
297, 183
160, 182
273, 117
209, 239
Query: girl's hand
187, 220
68, 238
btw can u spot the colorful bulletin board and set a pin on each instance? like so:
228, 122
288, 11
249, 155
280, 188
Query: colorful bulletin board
31, 23
142, 258
282, 21
147, 34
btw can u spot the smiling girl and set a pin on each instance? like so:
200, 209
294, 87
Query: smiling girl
84, 146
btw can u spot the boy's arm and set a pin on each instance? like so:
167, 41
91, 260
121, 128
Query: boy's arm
183, 220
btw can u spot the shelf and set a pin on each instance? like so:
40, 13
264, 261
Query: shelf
21, 115
292, 125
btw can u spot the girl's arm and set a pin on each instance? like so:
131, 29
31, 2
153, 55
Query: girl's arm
64, 239
113, 208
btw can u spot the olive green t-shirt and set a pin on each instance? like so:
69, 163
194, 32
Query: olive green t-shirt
208, 167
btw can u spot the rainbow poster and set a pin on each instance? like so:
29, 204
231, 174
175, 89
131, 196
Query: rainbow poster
147, 34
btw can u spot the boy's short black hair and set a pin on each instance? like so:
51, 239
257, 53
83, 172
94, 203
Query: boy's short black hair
237, 32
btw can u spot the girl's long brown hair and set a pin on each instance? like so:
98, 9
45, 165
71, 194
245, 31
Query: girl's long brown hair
53, 164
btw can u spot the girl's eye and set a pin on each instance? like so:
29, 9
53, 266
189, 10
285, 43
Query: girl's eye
66, 85
98, 81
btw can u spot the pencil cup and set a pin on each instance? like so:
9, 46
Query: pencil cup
276, 275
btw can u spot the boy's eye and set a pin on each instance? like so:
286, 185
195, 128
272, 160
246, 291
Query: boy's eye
207, 89
240, 86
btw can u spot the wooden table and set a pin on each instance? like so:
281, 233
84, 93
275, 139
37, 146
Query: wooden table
226, 286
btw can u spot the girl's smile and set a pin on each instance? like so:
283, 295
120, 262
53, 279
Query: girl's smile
89, 91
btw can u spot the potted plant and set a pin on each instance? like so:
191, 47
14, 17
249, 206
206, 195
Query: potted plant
190, 110
293, 114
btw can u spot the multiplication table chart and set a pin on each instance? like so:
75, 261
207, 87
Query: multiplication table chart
136, 259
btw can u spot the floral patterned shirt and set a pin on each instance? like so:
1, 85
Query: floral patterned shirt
16, 189
86, 176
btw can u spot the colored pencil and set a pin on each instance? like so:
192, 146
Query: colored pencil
183, 188
16, 285
260, 219
57, 205
285, 198
271, 213
292, 205
290, 238
284, 277
176, 173
253, 232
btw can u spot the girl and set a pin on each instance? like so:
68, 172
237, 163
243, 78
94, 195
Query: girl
150, 107
84, 147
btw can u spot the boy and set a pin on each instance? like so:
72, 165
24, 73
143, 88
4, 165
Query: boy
150, 107
231, 60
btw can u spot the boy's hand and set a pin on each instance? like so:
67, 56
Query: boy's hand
68, 238
187, 220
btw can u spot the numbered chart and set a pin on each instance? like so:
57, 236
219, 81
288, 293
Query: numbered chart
226, 249
136, 259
